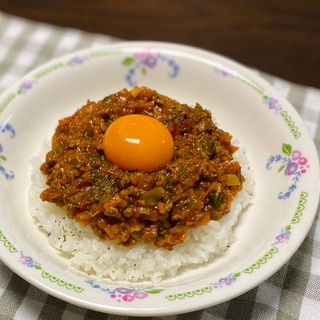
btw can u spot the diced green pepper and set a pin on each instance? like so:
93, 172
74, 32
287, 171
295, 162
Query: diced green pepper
154, 195
217, 198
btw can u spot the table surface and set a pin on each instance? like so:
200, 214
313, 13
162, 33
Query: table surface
278, 37
292, 293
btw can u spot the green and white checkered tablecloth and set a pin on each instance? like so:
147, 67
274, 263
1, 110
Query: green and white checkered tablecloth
292, 293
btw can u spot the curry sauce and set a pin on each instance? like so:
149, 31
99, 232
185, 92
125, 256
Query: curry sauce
196, 186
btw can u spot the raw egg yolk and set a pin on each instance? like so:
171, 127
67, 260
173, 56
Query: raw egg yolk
138, 142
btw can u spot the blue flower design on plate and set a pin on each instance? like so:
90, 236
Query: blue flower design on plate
147, 60
7, 127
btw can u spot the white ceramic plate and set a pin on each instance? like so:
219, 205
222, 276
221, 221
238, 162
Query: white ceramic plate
268, 234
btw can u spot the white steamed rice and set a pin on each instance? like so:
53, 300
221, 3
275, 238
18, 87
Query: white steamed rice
143, 262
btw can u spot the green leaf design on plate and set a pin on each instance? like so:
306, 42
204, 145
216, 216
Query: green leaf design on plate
286, 149
154, 291
128, 61
287, 228
144, 71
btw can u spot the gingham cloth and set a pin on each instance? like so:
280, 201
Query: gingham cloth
292, 293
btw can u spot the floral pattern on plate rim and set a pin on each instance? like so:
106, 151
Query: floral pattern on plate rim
6, 128
271, 102
292, 163
143, 60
